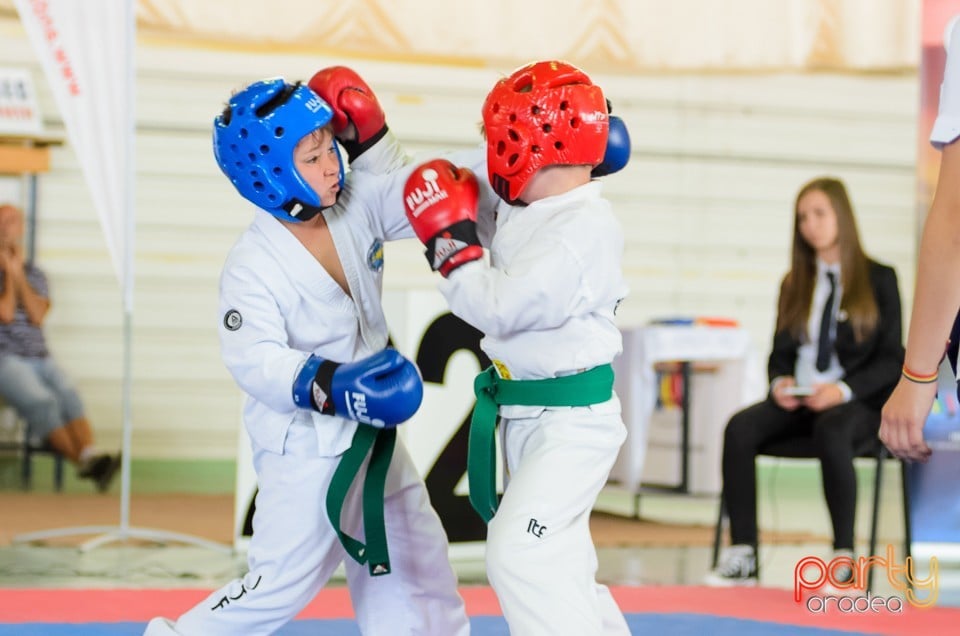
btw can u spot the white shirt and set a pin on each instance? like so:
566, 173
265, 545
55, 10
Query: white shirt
546, 301
278, 305
806, 372
946, 128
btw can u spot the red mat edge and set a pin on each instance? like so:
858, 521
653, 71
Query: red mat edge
759, 604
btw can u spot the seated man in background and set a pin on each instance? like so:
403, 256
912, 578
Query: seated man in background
30, 380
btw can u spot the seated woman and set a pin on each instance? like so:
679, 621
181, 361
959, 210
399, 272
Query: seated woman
30, 380
837, 354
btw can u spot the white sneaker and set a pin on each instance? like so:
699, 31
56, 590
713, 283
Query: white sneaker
737, 566
843, 573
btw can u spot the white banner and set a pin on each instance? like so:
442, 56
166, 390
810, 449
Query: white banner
86, 52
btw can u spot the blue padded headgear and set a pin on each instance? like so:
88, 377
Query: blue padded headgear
254, 139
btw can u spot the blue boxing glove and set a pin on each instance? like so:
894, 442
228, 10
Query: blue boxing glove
383, 390
617, 153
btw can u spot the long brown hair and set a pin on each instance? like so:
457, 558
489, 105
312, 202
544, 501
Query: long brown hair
796, 292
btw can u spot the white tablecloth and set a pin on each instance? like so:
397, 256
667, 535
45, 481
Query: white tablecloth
714, 397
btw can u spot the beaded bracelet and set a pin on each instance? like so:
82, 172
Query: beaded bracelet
917, 378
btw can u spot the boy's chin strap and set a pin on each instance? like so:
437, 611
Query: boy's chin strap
304, 212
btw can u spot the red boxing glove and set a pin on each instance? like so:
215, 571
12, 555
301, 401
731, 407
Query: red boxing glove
441, 200
353, 102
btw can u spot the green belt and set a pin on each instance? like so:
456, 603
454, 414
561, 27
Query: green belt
379, 443
583, 389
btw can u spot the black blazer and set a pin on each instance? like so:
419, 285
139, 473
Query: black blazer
872, 367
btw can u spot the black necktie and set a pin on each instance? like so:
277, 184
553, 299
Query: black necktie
824, 346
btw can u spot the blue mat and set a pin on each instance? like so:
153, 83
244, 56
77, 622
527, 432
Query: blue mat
673, 624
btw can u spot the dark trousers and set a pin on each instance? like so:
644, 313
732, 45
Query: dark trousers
836, 433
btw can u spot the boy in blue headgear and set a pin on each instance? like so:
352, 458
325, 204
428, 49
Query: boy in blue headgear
303, 333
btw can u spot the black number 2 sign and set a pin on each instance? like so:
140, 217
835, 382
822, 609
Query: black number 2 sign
443, 338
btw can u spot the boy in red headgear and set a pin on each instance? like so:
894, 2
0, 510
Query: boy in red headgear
545, 300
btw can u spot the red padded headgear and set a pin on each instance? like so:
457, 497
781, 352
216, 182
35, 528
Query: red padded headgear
545, 113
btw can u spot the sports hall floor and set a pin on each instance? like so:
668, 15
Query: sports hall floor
655, 564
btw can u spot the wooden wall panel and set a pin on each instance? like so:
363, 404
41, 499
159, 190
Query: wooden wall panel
705, 204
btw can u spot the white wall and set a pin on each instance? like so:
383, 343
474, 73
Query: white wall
706, 205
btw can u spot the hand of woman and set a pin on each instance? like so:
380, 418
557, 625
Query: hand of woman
825, 396
780, 396
903, 417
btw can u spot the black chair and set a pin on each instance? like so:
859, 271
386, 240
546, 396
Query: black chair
26, 448
803, 448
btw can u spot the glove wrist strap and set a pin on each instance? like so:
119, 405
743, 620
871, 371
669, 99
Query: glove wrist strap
311, 387
356, 148
324, 381
456, 238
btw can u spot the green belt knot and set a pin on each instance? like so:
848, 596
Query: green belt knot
581, 389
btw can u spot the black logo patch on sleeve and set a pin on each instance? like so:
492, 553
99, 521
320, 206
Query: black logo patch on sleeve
232, 320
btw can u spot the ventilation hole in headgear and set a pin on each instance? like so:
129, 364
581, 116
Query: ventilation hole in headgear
233, 147
564, 105
243, 133
547, 128
264, 149
279, 98
258, 186
534, 149
278, 132
251, 156
558, 145
575, 122
513, 159
514, 137
513, 117
277, 171
253, 173
534, 110
272, 197
501, 148
495, 108
239, 164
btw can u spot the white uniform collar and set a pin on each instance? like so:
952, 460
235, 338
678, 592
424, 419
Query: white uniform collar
534, 212
592, 189
292, 254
